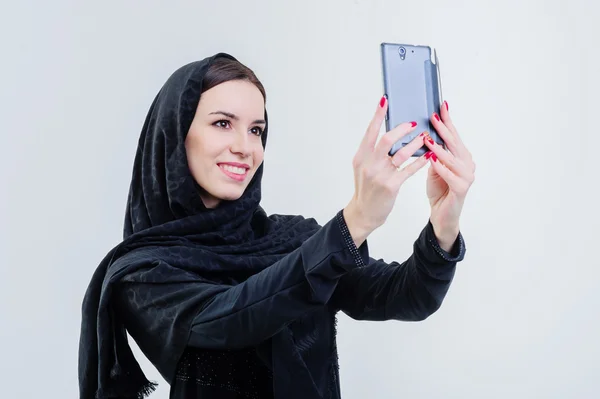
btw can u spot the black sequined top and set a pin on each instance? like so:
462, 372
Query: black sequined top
215, 374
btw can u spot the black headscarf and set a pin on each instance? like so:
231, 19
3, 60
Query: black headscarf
166, 220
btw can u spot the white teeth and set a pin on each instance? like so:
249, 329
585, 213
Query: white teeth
234, 169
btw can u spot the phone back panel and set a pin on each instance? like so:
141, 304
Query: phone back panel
412, 85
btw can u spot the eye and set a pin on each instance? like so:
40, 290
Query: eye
258, 131
223, 124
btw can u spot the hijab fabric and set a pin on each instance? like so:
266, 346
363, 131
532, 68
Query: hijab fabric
166, 220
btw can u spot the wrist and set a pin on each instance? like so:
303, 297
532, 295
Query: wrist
446, 236
358, 229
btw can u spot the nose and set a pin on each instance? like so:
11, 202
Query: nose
241, 144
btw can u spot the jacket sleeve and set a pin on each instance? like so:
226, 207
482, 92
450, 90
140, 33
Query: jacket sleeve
303, 281
411, 291
186, 310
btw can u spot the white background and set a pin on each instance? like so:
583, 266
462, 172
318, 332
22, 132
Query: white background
521, 319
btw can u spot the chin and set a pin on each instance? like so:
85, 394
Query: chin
230, 195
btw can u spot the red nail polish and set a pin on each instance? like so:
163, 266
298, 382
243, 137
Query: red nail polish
382, 102
434, 157
436, 116
422, 134
430, 140
446, 103
428, 155
413, 124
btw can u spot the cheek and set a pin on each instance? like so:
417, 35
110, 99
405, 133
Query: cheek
202, 148
198, 158
259, 156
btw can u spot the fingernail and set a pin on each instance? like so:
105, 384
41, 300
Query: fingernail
413, 124
446, 103
436, 116
430, 140
382, 102
434, 157
422, 134
428, 155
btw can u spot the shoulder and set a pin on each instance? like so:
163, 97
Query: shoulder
149, 265
282, 224
292, 219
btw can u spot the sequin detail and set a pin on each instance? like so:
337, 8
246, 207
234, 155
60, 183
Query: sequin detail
334, 384
348, 239
239, 371
447, 256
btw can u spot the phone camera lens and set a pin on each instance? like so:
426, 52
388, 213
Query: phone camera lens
402, 52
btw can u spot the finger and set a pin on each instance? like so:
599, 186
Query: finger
370, 138
462, 152
445, 114
390, 138
411, 168
451, 162
456, 184
446, 135
408, 150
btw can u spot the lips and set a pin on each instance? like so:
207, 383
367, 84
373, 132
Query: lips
235, 171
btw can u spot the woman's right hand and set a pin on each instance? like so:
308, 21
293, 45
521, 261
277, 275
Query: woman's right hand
377, 178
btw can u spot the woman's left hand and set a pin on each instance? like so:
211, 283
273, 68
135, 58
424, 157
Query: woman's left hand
449, 178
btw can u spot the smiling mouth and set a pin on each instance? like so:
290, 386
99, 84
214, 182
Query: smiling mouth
235, 172
234, 169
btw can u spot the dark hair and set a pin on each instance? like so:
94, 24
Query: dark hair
224, 70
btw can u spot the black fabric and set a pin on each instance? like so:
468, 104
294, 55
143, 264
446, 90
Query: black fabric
281, 311
222, 374
165, 214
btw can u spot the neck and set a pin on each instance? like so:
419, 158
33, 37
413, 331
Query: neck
209, 201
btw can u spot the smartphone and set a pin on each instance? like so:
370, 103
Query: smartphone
411, 83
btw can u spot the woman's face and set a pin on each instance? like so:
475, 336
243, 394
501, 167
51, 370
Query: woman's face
223, 145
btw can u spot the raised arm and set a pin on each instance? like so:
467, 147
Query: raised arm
410, 291
414, 289
230, 317
303, 281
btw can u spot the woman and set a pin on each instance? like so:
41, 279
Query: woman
228, 302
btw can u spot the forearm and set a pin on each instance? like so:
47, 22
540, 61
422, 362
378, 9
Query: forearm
434, 267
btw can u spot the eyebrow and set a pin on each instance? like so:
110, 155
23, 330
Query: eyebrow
235, 117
